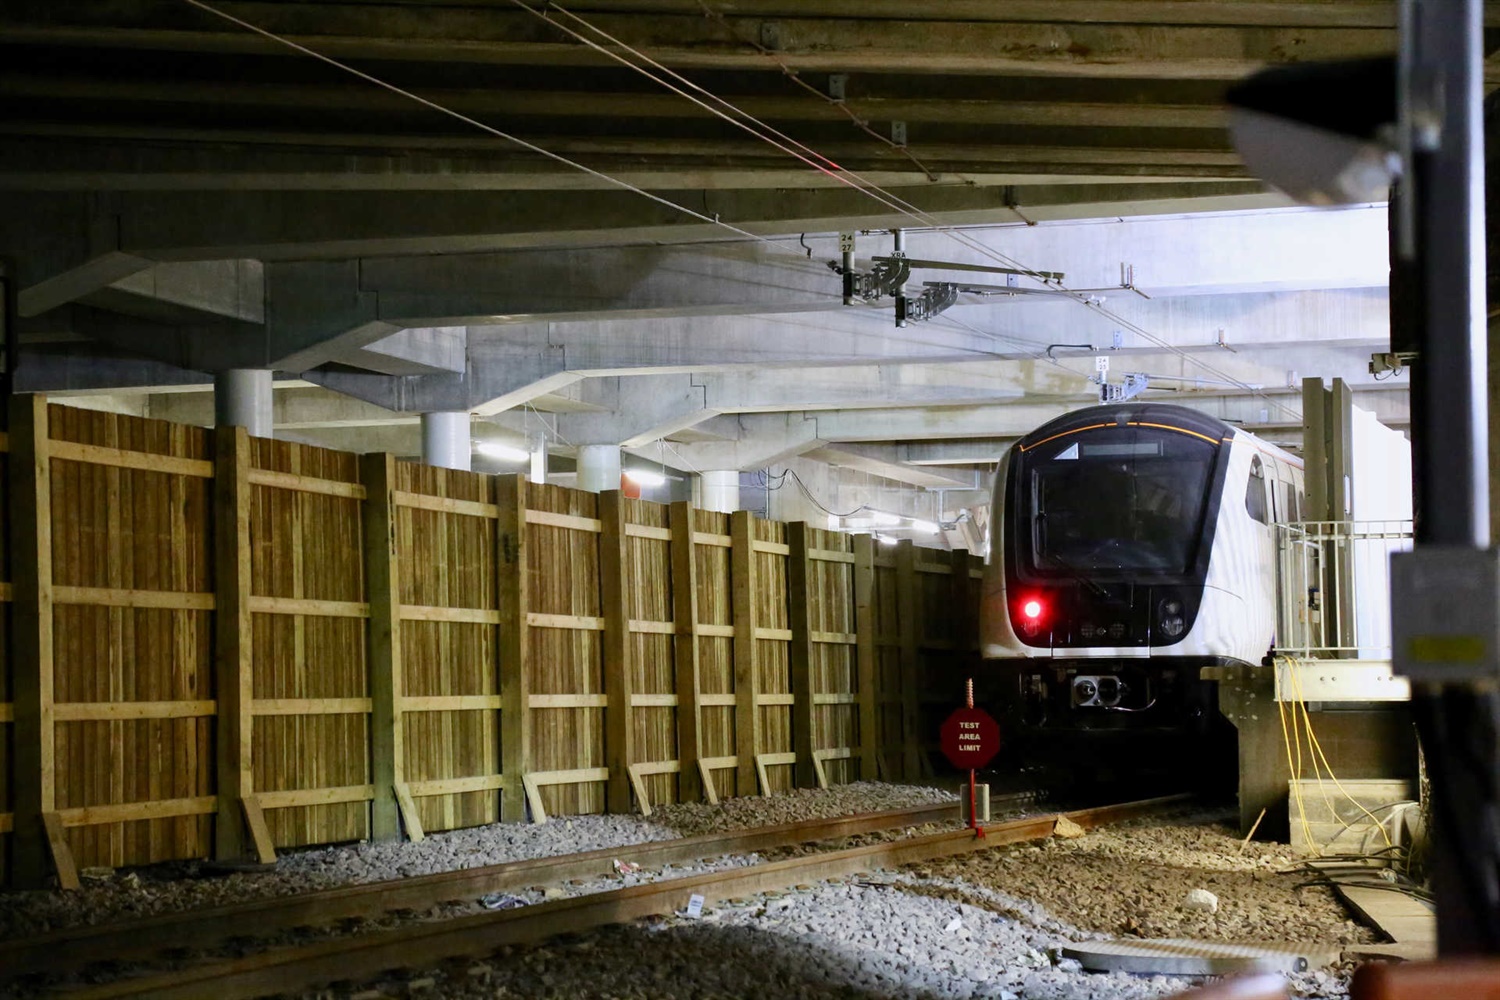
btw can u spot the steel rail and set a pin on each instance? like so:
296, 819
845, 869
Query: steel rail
74, 948
353, 959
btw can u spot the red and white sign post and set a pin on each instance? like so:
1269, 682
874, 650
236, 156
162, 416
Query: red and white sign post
970, 739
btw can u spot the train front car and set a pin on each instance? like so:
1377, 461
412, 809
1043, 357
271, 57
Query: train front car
1120, 566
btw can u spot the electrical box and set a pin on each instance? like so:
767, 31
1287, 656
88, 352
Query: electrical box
1445, 614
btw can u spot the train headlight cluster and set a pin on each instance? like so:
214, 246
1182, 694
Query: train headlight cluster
1169, 618
1032, 611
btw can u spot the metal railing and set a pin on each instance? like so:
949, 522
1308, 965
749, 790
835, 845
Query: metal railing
1333, 587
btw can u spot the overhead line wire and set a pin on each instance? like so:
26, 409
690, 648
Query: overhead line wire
441, 109
854, 179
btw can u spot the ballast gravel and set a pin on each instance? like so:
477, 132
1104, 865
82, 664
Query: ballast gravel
174, 887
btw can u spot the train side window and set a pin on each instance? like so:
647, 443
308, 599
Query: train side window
1255, 492
1293, 511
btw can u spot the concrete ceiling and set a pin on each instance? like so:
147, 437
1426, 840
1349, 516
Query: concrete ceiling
181, 195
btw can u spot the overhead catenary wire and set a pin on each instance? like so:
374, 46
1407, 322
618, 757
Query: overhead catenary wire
779, 140
466, 119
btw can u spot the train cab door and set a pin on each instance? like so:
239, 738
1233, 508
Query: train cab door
1260, 582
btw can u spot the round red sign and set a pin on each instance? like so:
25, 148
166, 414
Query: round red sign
970, 738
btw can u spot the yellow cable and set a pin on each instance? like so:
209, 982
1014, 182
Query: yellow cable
1316, 746
1296, 771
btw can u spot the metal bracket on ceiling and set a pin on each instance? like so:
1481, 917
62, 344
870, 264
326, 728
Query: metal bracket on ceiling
1135, 383
936, 296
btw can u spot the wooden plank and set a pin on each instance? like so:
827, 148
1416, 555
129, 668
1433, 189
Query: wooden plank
431, 613
746, 675
534, 799
835, 638
589, 622
132, 811
829, 555
94, 454
7, 822
638, 784
311, 706
5, 592
456, 786
714, 631
307, 484
772, 548
569, 700
57, 848
865, 654
619, 728
569, 521
315, 796
34, 793
304, 606
444, 505
776, 699
685, 650
659, 767
708, 538
410, 820
234, 645
799, 610
452, 703
706, 780
717, 700
653, 628
655, 700
774, 634
836, 698
569, 776
511, 587
98, 711
648, 531
7, 712
382, 559
1402, 918
260, 833
108, 597
907, 603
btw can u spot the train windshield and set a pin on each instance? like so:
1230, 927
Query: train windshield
1118, 498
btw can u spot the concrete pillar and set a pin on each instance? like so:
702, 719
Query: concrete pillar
537, 445
598, 467
445, 439
719, 489
242, 398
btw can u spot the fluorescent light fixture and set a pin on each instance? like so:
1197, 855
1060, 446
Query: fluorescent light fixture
858, 523
886, 520
645, 477
885, 539
504, 452
925, 527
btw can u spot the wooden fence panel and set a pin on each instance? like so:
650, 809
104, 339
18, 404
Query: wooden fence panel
835, 685
447, 561
773, 652
132, 596
7, 690
311, 742
649, 609
565, 663
890, 727
716, 649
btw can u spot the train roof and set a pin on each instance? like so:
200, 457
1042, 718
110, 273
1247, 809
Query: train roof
1132, 412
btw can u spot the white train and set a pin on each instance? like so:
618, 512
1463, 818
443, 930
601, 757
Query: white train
1131, 545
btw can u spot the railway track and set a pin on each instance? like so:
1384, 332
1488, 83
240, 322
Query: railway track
75, 948
422, 945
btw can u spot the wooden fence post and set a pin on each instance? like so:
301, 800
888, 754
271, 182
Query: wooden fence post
908, 607
619, 729
685, 651
515, 689
234, 641
742, 574
35, 789
800, 598
383, 583
866, 656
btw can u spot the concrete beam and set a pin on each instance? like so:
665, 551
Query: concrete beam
758, 440
884, 461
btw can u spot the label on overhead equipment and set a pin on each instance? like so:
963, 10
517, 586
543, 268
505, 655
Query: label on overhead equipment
1445, 620
1101, 363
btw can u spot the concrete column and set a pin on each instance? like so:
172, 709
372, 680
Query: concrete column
598, 467
719, 489
445, 439
537, 445
242, 398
